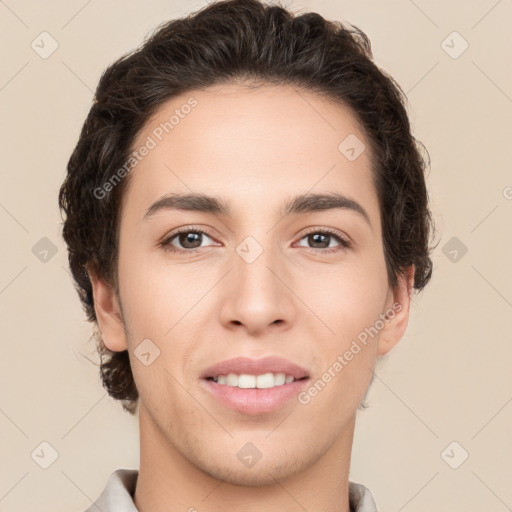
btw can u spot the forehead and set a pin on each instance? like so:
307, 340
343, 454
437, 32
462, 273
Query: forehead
251, 144
298, 118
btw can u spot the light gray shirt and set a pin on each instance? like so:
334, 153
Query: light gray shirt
117, 496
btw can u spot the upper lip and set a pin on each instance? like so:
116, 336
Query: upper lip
270, 364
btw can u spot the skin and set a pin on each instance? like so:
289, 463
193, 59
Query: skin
254, 148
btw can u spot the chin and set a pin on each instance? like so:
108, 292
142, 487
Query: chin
252, 477
266, 471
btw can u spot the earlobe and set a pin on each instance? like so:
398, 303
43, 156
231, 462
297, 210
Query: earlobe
397, 312
108, 315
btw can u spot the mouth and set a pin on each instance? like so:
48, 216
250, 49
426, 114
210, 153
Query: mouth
254, 387
253, 401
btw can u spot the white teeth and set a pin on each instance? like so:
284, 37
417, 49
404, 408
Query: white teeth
246, 381
231, 380
269, 380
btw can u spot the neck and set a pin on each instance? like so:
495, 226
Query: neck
169, 481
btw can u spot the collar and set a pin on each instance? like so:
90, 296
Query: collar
117, 496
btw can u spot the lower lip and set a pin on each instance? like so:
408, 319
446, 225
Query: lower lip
254, 401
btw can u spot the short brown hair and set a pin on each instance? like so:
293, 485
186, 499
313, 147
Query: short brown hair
227, 41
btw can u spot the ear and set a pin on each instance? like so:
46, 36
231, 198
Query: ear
108, 315
397, 310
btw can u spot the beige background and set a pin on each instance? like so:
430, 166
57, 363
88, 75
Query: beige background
448, 380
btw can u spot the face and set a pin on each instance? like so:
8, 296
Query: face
255, 280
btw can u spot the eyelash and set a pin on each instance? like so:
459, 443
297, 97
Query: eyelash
345, 243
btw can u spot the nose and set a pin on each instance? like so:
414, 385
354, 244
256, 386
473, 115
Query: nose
258, 297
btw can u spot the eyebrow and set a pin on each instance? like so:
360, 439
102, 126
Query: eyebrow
304, 203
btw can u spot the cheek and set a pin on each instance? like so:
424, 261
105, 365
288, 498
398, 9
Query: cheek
350, 304
158, 303
155, 295
351, 298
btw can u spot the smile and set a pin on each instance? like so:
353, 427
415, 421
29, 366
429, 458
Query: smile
251, 400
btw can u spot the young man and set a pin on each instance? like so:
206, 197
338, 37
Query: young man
247, 218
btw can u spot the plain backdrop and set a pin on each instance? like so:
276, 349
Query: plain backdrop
437, 434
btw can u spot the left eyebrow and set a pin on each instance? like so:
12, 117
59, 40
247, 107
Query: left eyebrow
305, 203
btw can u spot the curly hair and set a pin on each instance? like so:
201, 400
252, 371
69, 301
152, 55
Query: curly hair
227, 41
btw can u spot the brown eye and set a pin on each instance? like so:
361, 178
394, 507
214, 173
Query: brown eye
323, 241
319, 239
185, 240
190, 239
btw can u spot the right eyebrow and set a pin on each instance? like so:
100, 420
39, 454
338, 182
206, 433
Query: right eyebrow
191, 202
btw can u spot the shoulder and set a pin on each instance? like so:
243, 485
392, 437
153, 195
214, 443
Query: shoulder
117, 495
360, 498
